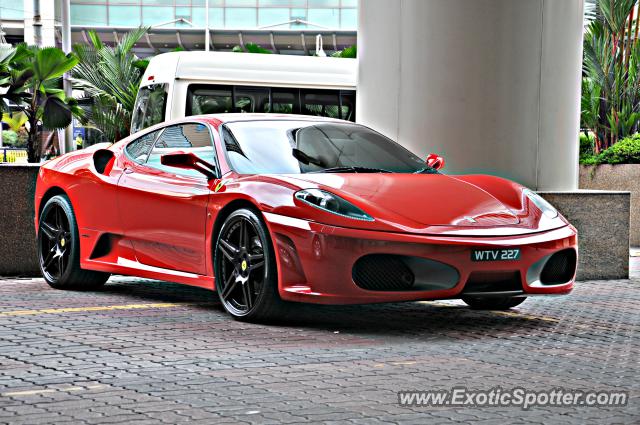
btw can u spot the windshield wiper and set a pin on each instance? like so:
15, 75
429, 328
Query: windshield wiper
428, 170
352, 170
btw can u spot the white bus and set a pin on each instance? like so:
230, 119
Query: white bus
180, 84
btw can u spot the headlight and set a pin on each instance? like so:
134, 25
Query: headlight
546, 208
332, 203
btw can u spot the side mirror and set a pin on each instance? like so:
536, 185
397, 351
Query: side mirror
189, 161
435, 161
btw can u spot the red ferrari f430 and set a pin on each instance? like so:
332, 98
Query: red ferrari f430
271, 209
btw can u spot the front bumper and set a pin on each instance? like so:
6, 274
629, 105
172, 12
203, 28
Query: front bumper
315, 261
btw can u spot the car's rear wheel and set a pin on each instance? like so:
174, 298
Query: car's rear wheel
59, 248
245, 268
493, 303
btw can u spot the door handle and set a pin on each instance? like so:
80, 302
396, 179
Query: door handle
128, 170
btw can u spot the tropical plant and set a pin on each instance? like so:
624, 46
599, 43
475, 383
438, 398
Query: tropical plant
251, 48
15, 120
31, 79
350, 52
110, 77
610, 106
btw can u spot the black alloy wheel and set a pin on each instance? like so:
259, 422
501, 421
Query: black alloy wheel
245, 272
59, 248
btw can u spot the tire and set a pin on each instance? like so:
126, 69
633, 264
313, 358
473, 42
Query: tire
493, 303
245, 268
59, 248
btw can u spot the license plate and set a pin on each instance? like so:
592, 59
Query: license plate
511, 254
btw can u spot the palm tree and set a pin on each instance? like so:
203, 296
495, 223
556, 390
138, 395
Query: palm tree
31, 77
611, 68
110, 76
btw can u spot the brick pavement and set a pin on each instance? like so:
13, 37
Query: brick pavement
142, 351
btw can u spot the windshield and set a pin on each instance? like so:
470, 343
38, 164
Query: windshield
294, 147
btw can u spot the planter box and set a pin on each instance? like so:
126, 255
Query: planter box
18, 255
602, 220
624, 177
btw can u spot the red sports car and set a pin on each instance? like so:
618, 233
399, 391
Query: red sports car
268, 209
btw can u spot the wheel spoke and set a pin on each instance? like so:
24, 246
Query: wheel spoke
248, 296
61, 264
228, 250
229, 285
47, 261
256, 257
48, 230
244, 234
256, 265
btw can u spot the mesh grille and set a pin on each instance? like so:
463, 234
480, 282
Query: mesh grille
379, 272
560, 268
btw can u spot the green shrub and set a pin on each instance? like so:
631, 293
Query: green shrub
626, 151
9, 138
586, 149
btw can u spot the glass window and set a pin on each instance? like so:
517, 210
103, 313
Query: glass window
329, 103
193, 138
153, 15
349, 18
350, 3
240, 3
324, 3
138, 150
91, 15
272, 16
150, 107
12, 9
284, 101
283, 3
252, 99
325, 17
216, 17
257, 147
208, 100
125, 16
236, 17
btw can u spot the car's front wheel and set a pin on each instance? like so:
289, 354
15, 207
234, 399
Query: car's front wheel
59, 248
245, 268
493, 303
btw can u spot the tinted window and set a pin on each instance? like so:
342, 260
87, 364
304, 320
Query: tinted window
267, 147
194, 138
150, 107
213, 99
138, 150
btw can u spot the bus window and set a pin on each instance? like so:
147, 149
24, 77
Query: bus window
322, 103
251, 99
203, 100
284, 101
213, 99
150, 107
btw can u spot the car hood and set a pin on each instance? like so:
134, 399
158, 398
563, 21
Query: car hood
419, 200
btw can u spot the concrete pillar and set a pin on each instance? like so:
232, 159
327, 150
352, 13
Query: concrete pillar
47, 20
493, 85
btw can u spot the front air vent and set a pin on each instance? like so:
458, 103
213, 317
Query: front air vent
560, 267
389, 272
380, 272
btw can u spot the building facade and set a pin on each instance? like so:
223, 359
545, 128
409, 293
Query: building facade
223, 14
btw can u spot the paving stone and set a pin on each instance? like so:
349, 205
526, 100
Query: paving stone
192, 363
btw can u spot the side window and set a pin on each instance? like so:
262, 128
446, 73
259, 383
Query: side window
209, 100
193, 138
150, 107
139, 149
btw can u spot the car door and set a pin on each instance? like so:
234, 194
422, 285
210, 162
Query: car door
164, 209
